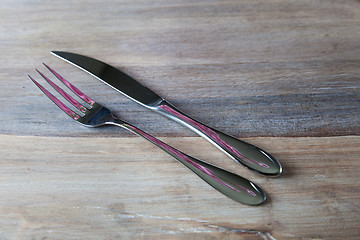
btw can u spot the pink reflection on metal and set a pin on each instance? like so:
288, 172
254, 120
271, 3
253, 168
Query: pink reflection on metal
210, 133
188, 160
72, 87
62, 106
64, 94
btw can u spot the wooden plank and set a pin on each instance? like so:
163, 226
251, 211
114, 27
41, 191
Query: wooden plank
111, 188
250, 68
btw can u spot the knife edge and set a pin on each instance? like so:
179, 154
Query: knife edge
112, 77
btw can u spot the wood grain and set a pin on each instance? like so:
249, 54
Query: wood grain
283, 75
105, 188
249, 68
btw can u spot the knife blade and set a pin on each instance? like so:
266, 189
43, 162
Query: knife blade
244, 153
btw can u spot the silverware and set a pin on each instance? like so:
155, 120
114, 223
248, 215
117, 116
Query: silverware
94, 115
249, 155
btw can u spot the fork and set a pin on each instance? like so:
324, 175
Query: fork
92, 114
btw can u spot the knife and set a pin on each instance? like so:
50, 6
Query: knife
244, 153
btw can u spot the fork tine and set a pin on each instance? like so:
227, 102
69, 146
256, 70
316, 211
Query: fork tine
72, 87
64, 94
61, 105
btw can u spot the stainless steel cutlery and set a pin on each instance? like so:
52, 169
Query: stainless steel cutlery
92, 114
244, 153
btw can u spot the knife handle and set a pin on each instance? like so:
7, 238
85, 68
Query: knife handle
244, 153
230, 184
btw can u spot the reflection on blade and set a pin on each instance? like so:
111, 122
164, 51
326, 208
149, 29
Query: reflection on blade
112, 77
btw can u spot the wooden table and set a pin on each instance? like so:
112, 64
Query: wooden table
283, 75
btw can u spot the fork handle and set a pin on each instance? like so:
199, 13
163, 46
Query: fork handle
230, 184
244, 153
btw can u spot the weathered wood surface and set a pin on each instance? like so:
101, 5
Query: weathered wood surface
284, 75
250, 68
105, 188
